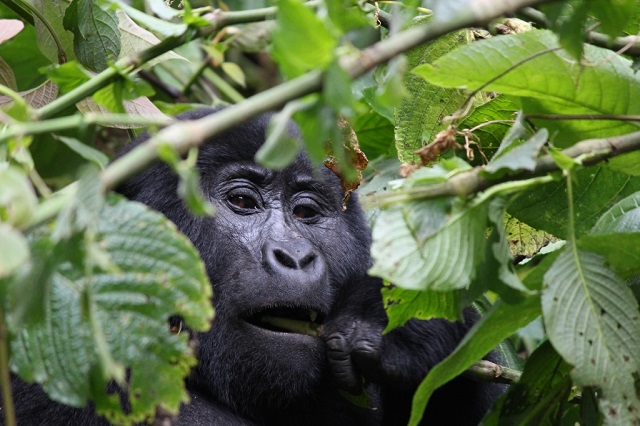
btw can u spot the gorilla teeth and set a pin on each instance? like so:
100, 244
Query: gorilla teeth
313, 315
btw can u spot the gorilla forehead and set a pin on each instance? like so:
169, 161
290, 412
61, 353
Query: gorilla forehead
234, 151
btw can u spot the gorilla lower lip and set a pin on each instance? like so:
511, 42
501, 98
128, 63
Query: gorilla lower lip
288, 320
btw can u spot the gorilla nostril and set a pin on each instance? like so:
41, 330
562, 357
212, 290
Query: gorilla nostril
307, 260
284, 259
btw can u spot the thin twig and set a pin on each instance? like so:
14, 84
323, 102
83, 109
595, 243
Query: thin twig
471, 182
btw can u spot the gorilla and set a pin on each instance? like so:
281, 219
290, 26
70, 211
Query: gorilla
281, 246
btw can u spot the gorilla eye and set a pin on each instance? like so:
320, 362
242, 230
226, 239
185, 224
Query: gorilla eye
304, 212
243, 202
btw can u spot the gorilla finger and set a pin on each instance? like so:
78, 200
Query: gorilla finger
342, 367
366, 359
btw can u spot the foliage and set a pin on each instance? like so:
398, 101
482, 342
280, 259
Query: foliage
513, 130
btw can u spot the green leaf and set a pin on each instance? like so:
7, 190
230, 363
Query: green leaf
85, 151
613, 14
93, 315
592, 320
565, 87
569, 26
517, 156
501, 108
523, 239
25, 67
189, 188
17, 198
158, 26
402, 305
280, 148
82, 211
622, 217
53, 12
499, 262
317, 123
616, 236
538, 396
69, 76
626, 163
135, 39
234, 72
111, 97
347, 15
96, 39
14, 250
375, 134
336, 91
561, 159
301, 42
419, 118
597, 189
501, 322
414, 249
7, 77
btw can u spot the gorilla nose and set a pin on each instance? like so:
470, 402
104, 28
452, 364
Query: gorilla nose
292, 257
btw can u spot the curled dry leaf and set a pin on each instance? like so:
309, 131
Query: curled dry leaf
444, 141
357, 161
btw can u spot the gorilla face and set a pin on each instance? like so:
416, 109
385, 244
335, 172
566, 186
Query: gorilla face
279, 246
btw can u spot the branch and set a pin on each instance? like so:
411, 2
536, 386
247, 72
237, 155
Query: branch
18, 128
630, 44
487, 371
591, 151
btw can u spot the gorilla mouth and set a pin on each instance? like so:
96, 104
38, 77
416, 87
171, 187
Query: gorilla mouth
286, 319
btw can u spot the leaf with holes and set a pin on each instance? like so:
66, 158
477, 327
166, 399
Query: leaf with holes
592, 320
98, 322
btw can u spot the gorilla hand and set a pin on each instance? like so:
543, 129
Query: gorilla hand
400, 359
353, 335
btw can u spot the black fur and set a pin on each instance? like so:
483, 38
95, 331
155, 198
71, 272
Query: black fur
297, 249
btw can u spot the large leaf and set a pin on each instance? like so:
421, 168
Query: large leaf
606, 85
413, 252
419, 117
98, 319
597, 188
592, 320
502, 321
